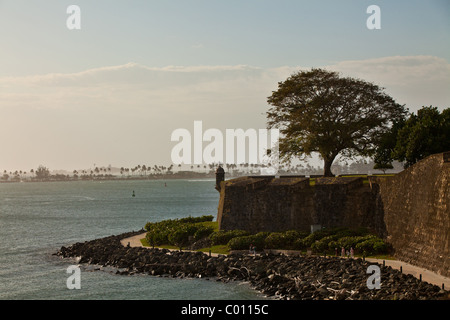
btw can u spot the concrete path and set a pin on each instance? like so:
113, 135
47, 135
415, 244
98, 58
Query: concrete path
427, 275
135, 241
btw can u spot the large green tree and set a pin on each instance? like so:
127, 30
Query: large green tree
423, 134
320, 111
386, 145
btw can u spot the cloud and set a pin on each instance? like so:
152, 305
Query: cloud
123, 114
412, 80
134, 86
223, 90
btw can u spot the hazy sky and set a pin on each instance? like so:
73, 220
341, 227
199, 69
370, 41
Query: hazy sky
114, 91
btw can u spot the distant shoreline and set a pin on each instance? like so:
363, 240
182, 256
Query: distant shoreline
174, 176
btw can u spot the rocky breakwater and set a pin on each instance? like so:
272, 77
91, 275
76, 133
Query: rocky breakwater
278, 276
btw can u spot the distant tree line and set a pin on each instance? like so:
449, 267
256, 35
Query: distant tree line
42, 173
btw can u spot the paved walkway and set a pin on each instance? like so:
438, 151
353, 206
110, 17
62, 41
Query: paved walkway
135, 241
427, 275
407, 268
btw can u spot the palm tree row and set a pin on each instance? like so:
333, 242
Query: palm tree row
148, 171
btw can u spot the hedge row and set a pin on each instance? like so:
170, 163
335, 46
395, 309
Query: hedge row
223, 237
183, 232
323, 241
178, 232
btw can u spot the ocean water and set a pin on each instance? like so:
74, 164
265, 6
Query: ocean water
36, 219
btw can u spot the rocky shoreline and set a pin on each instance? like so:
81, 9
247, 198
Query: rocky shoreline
275, 275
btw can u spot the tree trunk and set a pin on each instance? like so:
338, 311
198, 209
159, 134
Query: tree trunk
327, 167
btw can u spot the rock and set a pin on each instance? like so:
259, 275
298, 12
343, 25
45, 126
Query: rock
285, 277
322, 291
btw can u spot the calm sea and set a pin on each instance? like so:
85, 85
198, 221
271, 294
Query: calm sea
36, 219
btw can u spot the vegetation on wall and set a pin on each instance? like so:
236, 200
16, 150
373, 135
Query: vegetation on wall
420, 135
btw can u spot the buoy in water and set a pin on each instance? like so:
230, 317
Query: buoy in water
133, 194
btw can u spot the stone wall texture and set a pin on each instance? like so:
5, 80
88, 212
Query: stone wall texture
416, 206
411, 210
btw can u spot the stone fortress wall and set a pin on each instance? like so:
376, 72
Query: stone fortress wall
410, 210
416, 206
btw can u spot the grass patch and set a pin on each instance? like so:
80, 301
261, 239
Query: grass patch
144, 242
220, 249
354, 176
169, 246
380, 257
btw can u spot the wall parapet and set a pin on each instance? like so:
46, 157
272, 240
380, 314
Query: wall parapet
258, 203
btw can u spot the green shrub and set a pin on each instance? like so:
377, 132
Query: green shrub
380, 247
182, 234
276, 240
196, 219
244, 242
329, 239
299, 244
313, 237
158, 232
177, 231
155, 238
333, 245
292, 236
351, 242
203, 232
372, 246
222, 237
178, 238
283, 240
322, 245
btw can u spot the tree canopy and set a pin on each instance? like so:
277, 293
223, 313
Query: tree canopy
421, 135
320, 111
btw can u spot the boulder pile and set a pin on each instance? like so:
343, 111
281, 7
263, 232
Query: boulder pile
275, 275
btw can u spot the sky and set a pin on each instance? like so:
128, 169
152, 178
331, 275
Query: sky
113, 91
